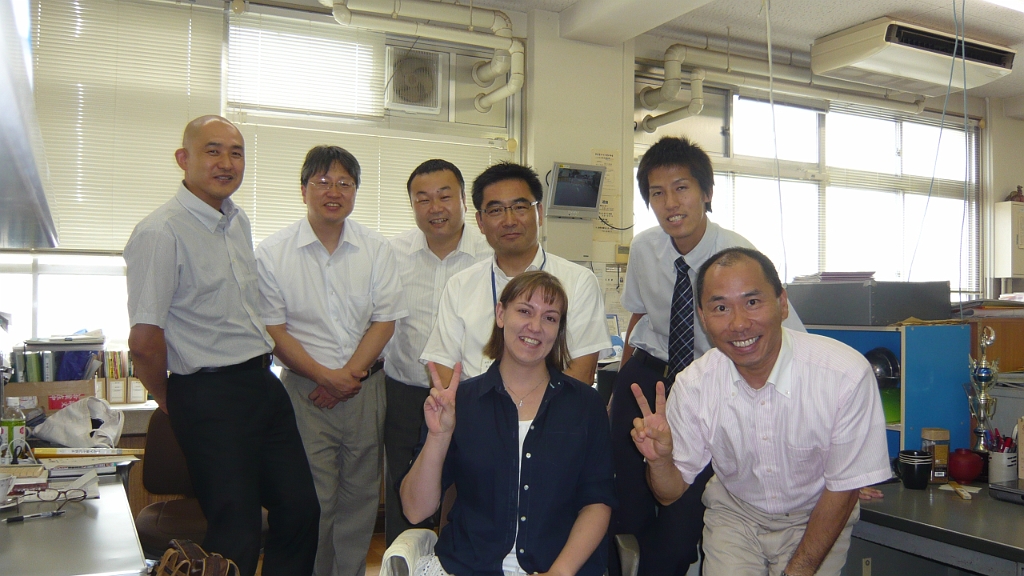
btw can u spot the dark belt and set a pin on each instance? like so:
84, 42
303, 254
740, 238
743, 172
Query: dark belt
644, 357
377, 367
260, 362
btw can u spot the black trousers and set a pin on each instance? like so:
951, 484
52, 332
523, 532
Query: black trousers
668, 535
403, 424
243, 450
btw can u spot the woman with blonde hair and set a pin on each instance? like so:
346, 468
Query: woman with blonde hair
527, 448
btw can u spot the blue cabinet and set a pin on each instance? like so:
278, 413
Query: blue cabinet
933, 369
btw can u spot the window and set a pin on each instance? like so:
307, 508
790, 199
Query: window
297, 80
303, 65
868, 203
99, 297
797, 131
115, 84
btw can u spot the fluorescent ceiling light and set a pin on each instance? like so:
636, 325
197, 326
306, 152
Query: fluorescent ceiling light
1017, 5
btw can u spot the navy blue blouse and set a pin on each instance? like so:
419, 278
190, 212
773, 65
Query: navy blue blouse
566, 465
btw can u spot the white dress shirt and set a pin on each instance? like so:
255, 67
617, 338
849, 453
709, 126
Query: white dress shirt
327, 301
191, 272
651, 279
424, 276
817, 423
465, 315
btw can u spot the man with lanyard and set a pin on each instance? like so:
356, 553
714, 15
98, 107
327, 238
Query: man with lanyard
192, 302
792, 422
428, 256
331, 294
676, 180
508, 197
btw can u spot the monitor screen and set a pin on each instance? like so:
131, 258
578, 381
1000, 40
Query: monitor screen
575, 190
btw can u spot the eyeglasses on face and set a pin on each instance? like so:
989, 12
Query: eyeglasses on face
518, 209
324, 185
51, 495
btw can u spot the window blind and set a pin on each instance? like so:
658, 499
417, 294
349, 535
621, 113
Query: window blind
115, 84
270, 193
303, 63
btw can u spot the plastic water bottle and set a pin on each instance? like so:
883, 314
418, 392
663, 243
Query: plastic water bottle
12, 426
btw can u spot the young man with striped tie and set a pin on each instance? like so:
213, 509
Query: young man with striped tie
676, 181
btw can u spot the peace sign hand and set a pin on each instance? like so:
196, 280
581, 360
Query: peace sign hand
650, 432
439, 408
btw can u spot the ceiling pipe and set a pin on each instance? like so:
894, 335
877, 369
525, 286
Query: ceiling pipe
783, 87
651, 123
484, 73
508, 51
471, 17
516, 78
752, 73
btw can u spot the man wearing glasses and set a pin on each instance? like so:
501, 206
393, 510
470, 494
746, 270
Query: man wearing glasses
508, 198
330, 296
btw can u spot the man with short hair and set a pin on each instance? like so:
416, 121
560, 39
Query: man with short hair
508, 198
792, 423
331, 294
676, 181
428, 256
192, 302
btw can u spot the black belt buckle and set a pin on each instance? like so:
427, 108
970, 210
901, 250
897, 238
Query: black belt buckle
377, 367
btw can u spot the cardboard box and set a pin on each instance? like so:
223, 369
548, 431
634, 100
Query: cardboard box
52, 396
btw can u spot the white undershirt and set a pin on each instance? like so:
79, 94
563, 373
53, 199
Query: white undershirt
510, 565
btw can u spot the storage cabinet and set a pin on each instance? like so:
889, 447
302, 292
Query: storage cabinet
933, 369
1008, 240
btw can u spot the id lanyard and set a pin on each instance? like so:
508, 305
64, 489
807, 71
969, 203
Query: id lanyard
494, 285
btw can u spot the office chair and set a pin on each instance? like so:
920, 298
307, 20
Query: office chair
164, 472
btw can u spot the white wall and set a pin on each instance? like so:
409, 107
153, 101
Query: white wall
578, 98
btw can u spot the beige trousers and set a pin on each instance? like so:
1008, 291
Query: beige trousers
740, 540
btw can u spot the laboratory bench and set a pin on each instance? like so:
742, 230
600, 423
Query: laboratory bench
934, 531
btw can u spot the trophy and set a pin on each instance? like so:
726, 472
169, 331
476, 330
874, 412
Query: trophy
983, 376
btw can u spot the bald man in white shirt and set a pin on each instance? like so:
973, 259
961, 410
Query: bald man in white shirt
791, 422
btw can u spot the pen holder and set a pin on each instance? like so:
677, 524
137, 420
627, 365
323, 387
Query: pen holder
1002, 466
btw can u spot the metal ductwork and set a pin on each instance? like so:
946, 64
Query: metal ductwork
25, 220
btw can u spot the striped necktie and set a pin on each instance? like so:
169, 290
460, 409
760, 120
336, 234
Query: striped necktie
680, 331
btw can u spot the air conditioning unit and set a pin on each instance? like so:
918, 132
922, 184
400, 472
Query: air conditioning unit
414, 80
908, 58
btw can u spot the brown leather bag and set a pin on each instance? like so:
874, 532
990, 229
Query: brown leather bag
186, 558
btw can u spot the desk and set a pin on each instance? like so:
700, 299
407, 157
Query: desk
982, 535
94, 537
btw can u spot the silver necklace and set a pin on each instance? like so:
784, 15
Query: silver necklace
527, 395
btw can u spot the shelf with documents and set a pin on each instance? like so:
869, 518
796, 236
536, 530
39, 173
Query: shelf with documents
933, 369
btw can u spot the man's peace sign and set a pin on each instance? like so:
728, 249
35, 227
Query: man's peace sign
650, 432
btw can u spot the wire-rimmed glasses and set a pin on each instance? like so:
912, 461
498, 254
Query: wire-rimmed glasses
52, 495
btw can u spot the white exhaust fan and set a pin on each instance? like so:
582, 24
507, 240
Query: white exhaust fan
414, 78
908, 58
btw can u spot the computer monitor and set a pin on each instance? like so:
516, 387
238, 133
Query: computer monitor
575, 191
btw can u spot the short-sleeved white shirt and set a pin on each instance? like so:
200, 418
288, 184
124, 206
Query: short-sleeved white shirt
192, 273
817, 423
465, 315
424, 276
651, 278
327, 301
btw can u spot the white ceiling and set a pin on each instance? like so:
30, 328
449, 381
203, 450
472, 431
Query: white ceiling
795, 24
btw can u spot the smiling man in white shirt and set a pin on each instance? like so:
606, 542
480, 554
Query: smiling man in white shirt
508, 198
792, 423
440, 246
331, 294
